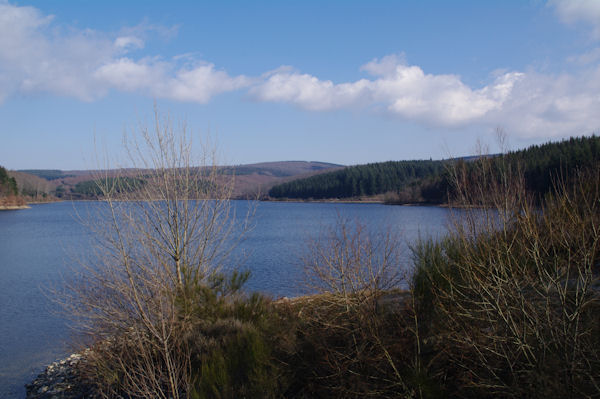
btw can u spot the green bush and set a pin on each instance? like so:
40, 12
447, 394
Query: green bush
230, 340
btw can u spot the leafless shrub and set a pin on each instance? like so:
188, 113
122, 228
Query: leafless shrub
512, 287
164, 229
352, 322
348, 260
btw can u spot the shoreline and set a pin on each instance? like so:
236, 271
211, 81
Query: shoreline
61, 379
355, 201
327, 201
13, 207
318, 201
299, 201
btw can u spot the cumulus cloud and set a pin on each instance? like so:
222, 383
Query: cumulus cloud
529, 104
131, 75
37, 56
200, 83
403, 89
543, 105
288, 85
161, 80
438, 99
575, 11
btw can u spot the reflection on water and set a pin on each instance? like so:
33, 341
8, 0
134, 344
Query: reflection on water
36, 245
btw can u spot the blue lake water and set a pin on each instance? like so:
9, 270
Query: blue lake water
36, 246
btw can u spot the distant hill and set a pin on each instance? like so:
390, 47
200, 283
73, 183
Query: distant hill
47, 174
280, 169
255, 180
428, 181
360, 180
251, 180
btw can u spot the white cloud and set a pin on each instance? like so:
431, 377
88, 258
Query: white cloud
129, 42
129, 75
528, 104
436, 99
287, 85
552, 105
404, 90
575, 11
36, 56
161, 80
385, 66
200, 83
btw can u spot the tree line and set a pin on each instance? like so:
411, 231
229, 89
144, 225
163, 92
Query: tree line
359, 180
430, 181
120, 184
47, 174
8, 185
9, 191
544, 163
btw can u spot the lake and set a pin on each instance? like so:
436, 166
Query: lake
36, 245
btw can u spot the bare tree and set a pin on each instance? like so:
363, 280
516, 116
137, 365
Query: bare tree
512, 286
350, 260
164, 229
357, 274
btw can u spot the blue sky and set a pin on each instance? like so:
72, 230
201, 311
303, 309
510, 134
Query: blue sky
337, 81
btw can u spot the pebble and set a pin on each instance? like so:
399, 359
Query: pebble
61, 380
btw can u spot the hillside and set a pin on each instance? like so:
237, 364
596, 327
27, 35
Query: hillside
543, 163
254, 180
251, 180
32, 186
361, 180
429, 182
279, 169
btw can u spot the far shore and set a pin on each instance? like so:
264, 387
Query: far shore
355, 201
327, 201
13, 207
292, 200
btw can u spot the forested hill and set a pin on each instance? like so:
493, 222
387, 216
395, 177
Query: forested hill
428, 181
251, 181
544, 163
360, 180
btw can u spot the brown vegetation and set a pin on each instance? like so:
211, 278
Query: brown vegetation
505, 306
12, 201
511, 296
160, 246
33, 187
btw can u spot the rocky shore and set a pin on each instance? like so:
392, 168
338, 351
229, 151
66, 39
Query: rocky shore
60, 380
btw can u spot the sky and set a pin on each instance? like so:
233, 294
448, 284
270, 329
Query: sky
345, 81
